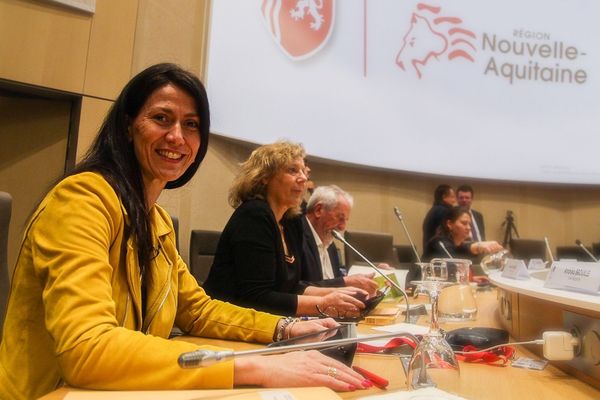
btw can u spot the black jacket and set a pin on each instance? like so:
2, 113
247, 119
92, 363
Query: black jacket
250, 268
312, 270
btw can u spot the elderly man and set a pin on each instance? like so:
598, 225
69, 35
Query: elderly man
328, 208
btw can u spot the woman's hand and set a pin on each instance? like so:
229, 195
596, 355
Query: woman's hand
344, 302
297, 369
490, 246
301, 328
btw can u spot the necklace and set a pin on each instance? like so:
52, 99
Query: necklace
289, 258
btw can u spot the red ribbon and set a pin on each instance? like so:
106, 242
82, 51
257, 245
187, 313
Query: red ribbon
497, 357
392, 344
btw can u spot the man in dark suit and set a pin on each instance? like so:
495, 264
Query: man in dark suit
464, 195
328, 208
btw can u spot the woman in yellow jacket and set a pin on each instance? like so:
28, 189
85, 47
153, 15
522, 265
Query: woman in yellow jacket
99, 284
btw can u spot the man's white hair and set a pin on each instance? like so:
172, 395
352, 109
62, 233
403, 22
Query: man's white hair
329, 197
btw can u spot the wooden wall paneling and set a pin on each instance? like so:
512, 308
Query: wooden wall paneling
43, 44
110, 51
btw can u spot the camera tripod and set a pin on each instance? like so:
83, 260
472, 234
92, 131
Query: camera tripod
509, 228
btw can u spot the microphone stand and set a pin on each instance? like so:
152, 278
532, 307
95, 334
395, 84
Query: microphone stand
206, 358
339, 237
548, 248
589, 253
399, 216
445, 249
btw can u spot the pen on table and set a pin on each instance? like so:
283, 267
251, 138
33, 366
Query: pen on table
377, 380
306, 318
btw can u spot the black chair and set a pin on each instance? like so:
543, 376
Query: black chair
377, 247
405, 253
526, 249
596, 249
573, 253
203, 247
5, 212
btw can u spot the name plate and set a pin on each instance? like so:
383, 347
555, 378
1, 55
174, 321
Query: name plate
515, 269
573, 275
536, 264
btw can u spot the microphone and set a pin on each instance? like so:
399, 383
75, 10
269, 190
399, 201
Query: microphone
445, 249
339, 237
589, 253
548, 248
206, 358
399, 215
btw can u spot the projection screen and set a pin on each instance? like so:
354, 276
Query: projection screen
502, 90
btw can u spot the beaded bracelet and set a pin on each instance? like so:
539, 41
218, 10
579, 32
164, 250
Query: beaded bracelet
281, 330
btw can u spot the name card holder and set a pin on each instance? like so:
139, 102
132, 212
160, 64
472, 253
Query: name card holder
515, 269
536, 264
573, 275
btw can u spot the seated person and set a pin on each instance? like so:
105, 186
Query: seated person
454, 237
444, 198
98, 283
328, 209
259, 255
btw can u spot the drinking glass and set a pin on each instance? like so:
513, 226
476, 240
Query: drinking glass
419, 289
433, 363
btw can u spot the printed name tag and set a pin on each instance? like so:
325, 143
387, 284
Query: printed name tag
515, 269
536, 264
573, 275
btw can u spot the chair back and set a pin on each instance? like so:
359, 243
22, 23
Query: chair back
5, 212
377, 247
526, 249
573, 253
405, 253
203, 247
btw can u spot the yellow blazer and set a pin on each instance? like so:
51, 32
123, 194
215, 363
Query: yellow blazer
75, 308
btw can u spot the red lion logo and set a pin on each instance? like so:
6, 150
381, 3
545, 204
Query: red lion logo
300, 27
429, 36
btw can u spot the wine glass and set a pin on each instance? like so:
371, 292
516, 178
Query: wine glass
419, 289
433, 363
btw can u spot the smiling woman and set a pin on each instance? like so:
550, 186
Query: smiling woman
259, 256
99, 284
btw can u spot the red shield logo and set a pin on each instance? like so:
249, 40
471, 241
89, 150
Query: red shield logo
300, 27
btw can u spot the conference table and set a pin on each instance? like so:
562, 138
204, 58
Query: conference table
477, 381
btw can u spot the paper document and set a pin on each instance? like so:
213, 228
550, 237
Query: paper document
420, 394
403, 327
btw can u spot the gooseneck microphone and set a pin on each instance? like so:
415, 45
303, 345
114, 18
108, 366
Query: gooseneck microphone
399, 216
548, 248
589, 253
339, 237
206, 358
445, 249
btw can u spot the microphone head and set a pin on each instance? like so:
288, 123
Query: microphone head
337, 235
397, 212
578, 242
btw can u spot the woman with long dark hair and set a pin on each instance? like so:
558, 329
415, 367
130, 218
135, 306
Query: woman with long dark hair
455, 235
99, 284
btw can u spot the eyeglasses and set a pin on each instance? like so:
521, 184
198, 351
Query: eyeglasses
340, 315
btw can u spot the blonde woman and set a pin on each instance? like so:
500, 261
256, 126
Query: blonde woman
259, 256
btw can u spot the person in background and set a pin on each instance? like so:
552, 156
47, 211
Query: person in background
310, 188
259, 256
464, 195
328, 209
455, 236
443, 199
98, 283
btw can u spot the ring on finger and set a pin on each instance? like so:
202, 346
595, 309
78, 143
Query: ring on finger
332, 372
